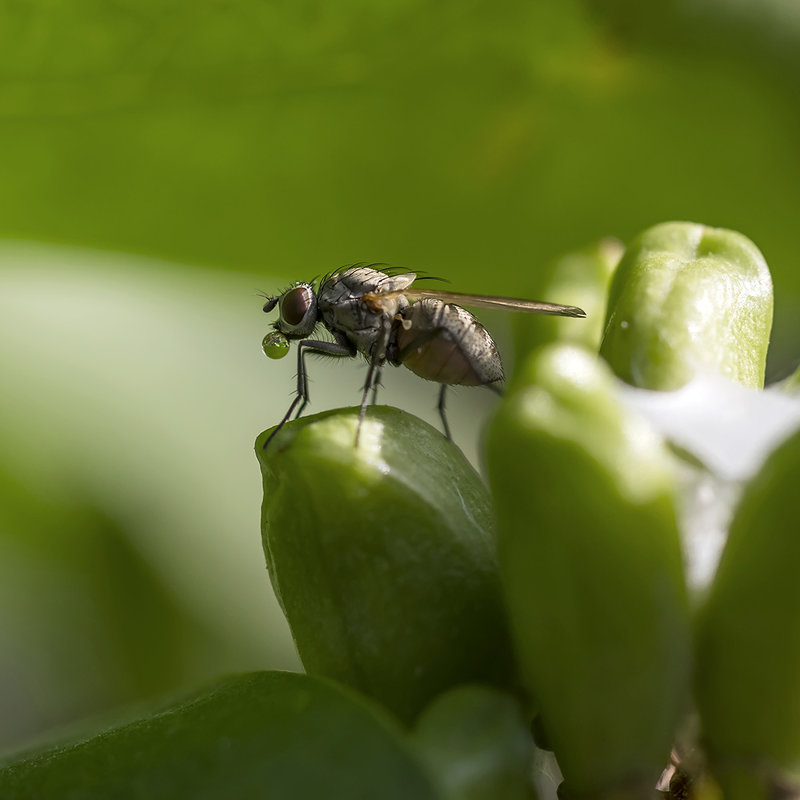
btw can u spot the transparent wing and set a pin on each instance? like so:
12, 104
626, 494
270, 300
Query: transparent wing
396, 284
489, 301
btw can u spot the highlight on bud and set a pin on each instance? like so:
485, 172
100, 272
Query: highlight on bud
687, 299
275, 345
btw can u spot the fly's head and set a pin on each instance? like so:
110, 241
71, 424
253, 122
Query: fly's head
297, 318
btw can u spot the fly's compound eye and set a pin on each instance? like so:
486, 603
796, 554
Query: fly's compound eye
295, 304
298, 310
275, 345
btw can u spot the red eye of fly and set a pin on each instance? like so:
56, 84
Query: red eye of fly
295, 303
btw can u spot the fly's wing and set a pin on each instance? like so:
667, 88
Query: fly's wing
502, 303
395, 283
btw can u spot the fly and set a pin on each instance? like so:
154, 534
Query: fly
384, 317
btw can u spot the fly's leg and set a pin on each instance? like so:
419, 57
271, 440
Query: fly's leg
443, 416
332, 349
376, 362
376, 383
373, 373
419, 340
493, 386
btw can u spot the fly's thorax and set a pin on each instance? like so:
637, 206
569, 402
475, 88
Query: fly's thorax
360, 303
363, 280
443, 342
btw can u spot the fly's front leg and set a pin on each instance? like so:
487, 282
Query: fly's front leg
332, 349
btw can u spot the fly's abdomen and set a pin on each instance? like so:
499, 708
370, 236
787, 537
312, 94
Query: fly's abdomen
443, 342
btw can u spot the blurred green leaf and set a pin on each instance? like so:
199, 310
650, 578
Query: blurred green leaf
768, 29
130, 557
227, 135
97, 626
258, 735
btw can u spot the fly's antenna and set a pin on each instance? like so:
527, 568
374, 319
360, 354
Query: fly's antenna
272, 300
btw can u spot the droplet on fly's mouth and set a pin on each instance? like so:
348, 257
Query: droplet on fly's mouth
275, 345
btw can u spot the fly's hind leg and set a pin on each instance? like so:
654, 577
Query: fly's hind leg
495, 387
442, 414
418, 341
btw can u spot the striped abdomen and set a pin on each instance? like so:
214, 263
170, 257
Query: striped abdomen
443, 342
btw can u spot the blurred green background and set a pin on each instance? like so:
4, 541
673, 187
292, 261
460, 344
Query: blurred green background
163, 161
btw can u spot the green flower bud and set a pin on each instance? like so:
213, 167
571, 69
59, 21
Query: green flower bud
582, 279
476, 742
687, 298
590, 559
790, 385
382, 556
748, 655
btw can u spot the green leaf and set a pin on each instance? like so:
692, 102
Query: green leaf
477, 744
687, 299
383, 556
271, 735
590, 559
